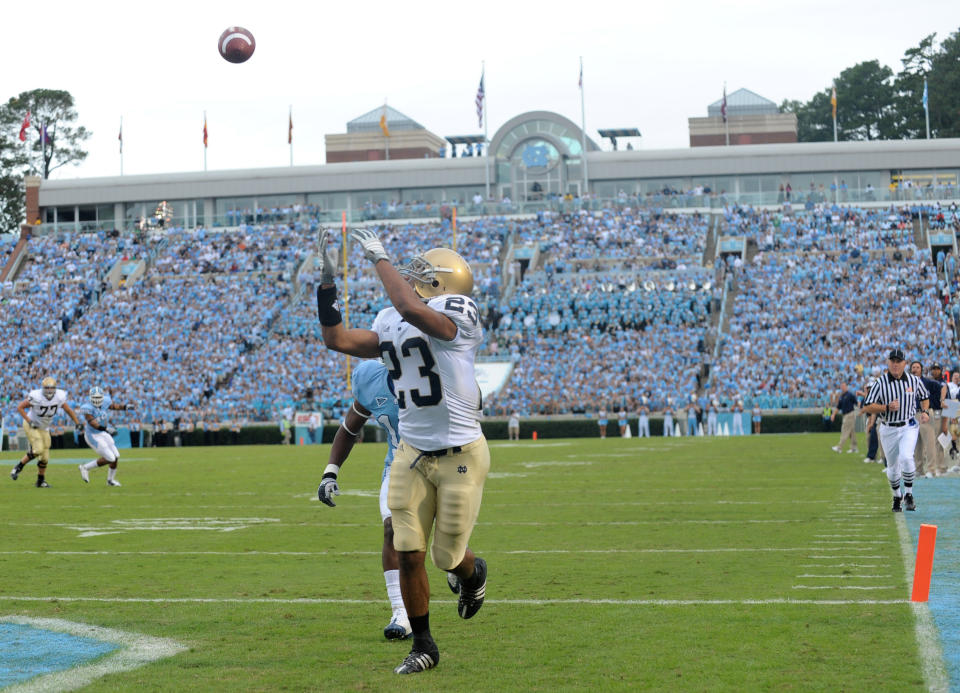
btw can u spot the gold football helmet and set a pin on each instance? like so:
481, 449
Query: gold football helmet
49, 386
439, 271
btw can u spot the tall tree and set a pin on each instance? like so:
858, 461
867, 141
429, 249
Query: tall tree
908, 89
55, 139
12, 164
865, 97
944, 84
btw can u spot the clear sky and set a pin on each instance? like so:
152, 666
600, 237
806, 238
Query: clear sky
646, 65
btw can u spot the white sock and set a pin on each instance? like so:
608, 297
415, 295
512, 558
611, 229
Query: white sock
111, 472
91, 465
392, 578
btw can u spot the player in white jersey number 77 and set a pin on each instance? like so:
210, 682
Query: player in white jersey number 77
38, 410
428, 340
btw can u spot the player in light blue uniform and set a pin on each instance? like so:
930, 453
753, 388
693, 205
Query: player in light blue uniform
372, 398
98, 433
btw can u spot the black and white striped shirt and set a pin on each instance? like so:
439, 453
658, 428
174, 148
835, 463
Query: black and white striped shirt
909, 390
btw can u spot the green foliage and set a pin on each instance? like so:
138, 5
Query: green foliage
624, 565
873, 103
54, 109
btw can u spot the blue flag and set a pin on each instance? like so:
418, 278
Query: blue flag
925, 102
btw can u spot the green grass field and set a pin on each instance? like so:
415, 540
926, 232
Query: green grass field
758, 563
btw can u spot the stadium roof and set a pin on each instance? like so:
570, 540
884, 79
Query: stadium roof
619, 132
465, 139
743, 102
370, 121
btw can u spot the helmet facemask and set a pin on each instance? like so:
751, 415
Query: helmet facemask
438, 271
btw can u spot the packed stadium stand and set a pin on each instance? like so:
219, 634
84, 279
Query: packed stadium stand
595, 308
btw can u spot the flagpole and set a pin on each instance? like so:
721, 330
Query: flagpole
926, 106
486, 140
726, 119
583, 133
833, 104
386, 137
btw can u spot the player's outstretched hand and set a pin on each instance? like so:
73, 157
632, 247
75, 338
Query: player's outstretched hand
370, 242
328, 258
328, 489
112, 430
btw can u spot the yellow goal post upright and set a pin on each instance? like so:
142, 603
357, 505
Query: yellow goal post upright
346, 289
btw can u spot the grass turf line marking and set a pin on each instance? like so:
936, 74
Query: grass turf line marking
748, 549
518, 602
136, 650
928, 638
844, 587
845, 576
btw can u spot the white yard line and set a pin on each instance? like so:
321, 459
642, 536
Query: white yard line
928, 638
521, 602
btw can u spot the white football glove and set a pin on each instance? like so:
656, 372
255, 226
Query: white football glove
328, 257
370, 242
112, 430
328, 489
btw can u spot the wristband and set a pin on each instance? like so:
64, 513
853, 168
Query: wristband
331, 471
327, 312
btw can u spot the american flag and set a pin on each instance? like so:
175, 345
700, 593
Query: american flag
481, 94
723, 106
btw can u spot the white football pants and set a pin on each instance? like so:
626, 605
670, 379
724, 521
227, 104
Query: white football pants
102, 442
898, 444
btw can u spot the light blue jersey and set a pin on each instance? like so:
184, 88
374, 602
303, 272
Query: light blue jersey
101, 413
371, 389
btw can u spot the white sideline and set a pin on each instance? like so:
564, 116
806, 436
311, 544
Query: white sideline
928, 638
135, 651
520, 602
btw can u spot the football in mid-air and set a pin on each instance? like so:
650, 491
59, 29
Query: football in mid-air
236, 44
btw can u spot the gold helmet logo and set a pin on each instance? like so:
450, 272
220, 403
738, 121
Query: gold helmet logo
439, 271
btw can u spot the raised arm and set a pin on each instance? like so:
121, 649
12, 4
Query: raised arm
355, 342
410, 306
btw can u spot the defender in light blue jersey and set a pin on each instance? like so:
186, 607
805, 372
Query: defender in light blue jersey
98, 433
373, 398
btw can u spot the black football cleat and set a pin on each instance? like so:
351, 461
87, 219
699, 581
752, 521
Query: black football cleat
896, 504
416, 661
472, 599
908, 503
43, 484
453, 582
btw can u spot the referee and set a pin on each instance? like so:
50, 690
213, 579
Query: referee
894, 397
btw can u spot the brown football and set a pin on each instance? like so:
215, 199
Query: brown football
236, 44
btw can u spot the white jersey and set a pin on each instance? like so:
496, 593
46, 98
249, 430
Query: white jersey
42, 410
434, 380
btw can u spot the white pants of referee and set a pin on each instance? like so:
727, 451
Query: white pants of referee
899, 443
103, 443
